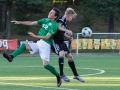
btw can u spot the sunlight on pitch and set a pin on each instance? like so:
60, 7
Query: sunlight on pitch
27, 78
50, 81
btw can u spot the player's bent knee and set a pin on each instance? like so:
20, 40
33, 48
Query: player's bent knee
62, 53
69, 56
45, 62
23, 47
28, 47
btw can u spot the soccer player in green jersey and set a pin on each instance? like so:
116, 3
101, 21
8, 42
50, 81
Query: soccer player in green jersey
42, 46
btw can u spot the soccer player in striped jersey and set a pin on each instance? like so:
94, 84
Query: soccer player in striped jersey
61, 49
43, 45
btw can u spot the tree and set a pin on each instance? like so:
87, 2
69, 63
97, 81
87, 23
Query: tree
32, 6
8, 18
103, 7
0, 17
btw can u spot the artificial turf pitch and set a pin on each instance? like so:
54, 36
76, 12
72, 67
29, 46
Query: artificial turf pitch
100, 72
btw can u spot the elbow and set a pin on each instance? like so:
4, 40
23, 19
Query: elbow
46, 38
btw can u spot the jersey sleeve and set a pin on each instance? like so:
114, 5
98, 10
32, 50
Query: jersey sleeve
53, 29
41, 21
60, 20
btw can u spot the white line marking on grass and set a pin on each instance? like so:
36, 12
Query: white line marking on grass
36, 86
100, 71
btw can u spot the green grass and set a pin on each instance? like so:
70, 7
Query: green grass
27, 73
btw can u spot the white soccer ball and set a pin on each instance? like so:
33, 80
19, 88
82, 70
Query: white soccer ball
86, 32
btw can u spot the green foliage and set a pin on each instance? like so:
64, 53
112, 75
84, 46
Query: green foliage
103, 6
5, 2
20, 29
24, 10
31, 6
86, 20
70, 1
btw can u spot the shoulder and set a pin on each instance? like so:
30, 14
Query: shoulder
61, 19
55, 23
41, 20
44, 19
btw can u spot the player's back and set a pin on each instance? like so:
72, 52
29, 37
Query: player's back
59, 36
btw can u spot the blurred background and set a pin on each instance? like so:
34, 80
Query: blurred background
99, 15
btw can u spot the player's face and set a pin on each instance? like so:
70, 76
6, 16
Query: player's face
51, 15
69, 18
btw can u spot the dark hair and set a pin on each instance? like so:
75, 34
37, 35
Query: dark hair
58, 12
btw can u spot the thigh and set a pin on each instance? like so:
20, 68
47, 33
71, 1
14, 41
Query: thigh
69, 56
44, 50
33, 48
55, 50
65, 48
45, 62
57, 47
28, 47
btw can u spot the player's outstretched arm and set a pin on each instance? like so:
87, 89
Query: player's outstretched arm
30, 23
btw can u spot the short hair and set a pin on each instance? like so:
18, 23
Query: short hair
70, 11
58, 12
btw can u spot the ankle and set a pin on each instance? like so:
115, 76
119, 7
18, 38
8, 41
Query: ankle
12, 56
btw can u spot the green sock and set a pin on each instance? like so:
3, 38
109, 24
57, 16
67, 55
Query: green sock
20, 50
51, 69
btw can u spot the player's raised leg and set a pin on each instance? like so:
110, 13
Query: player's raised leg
17, 52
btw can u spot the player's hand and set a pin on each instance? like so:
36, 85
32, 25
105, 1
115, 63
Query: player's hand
15, 22
31, 34
68, 36
71, 39
69, 32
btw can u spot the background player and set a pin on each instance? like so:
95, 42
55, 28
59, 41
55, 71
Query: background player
43, 46
61, 49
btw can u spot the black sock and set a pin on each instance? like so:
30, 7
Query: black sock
61, 65
72, 66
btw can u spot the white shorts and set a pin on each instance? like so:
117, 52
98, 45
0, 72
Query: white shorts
42, 48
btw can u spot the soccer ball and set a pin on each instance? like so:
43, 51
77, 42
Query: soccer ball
86, 32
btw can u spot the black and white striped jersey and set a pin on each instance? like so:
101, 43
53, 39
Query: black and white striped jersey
59, 36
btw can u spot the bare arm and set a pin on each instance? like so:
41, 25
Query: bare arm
40, 37
67, 36
30, 23
62, 29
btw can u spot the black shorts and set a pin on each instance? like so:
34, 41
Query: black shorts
58, 46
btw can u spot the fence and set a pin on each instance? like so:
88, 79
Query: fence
97, 41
